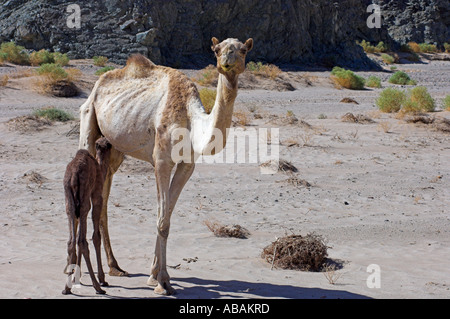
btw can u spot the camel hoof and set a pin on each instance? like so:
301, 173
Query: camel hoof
67, 291
100, 292
152, 282
165, 290
118, 272
104, 284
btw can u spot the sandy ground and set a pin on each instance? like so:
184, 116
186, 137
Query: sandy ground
379, 195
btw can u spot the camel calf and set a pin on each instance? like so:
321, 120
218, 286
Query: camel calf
83, 184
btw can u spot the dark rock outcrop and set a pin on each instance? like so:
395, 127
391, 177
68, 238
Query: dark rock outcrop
418, 20
178, 32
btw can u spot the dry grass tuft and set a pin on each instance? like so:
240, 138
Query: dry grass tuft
4, 80
280, 166
207, 76
34, 177
219, 230
208, 98
307, 253
265, 70
358, 118
348, 100
296, 181
28, 123
241, 117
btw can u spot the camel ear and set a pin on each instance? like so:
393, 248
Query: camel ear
215, 42
249, 44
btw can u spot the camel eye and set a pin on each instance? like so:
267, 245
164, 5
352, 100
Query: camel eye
243, 51
217, 51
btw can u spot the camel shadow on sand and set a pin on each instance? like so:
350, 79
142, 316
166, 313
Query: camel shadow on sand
195, 288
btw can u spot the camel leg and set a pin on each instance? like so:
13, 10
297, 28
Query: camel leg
163, 170
71, 250
71, 244
89, 130
182, 174
97, 202
83, 249
116, 159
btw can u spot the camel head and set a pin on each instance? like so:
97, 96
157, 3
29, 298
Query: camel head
103, 148
231, 54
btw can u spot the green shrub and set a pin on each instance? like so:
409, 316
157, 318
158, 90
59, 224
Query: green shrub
14, 53
382, 47
447, 47
367, 47
61, 58
53, 114
446, 103
373, 82
390, 100
54, 71
41, 57
104, 70
347, 79
422, 99
387, 58
100, 60
427, 48
402, 78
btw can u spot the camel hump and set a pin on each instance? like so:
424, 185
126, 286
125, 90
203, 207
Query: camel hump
138, 66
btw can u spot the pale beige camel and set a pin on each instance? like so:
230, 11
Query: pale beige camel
140, 109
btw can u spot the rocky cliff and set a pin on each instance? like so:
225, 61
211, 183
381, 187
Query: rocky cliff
178, 32
417, 20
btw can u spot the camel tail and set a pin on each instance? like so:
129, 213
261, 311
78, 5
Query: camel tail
73, 200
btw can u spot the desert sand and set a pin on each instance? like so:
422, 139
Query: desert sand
379, 195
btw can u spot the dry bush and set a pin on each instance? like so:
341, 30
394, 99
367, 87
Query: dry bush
241, 117
11, 52
439, 124
280, 166
297, 252
55, 80
329, 271
207, 76
348, 100
358, 118
100, 60
296, 181
28, 123
266, 70
208, 98
34, 177
414, 47
4, 80
219, 230
385, 126
41, 57
24, 73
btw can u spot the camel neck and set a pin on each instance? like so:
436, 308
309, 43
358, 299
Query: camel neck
207, 127
222, 112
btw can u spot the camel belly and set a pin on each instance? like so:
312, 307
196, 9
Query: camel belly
127, 113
